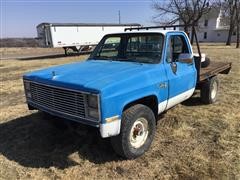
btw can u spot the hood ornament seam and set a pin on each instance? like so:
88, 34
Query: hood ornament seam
53, 74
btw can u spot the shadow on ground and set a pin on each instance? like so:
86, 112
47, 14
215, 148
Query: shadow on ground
193, 101
52, 56
33, 142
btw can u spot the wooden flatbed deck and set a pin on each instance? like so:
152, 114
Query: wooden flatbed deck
213, 69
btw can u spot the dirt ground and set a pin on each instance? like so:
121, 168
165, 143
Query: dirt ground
193, 141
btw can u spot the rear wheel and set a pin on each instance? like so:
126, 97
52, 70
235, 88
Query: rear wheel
205, 63
137, 132
209, 90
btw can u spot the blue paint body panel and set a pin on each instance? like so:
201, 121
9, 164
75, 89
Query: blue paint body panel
119, 83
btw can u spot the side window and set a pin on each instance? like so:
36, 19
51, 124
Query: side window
206, 23
205, 35
169, 51
176, 46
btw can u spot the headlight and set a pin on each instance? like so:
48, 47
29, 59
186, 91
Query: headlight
92, 106
28, 94
92, 101
27, 85
93, 113
27, 89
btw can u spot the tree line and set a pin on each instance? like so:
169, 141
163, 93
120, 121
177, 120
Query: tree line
189, 13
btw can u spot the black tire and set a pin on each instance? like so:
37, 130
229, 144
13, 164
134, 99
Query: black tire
121, 143
205, 63
207, 88
66, 51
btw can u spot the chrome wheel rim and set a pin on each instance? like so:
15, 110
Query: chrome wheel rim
139, 132
214, 90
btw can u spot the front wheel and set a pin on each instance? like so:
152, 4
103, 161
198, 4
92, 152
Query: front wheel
137, 132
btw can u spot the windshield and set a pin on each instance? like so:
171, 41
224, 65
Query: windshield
134, 47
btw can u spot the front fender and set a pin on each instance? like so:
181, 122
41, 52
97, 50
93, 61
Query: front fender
114, 105
113, 109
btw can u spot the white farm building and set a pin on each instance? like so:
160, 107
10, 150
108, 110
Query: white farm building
214, 27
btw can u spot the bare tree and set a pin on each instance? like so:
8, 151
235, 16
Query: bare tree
185, 11
230, 6
238, 21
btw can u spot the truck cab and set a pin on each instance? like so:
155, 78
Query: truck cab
128, 80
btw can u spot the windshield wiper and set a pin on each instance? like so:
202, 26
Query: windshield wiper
102, 57
130, 60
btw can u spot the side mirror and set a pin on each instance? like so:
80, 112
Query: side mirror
185, 58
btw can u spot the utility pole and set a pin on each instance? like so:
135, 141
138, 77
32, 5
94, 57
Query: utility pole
119, 17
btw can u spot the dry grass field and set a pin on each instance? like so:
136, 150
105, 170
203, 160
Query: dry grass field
193, 141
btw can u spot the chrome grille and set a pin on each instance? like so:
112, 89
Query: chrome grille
60, 100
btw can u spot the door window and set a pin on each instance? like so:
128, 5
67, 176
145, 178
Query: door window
176, 46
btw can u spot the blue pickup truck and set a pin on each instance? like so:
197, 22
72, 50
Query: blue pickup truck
128, 80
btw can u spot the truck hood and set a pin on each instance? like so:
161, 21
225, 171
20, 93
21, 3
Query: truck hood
95, 75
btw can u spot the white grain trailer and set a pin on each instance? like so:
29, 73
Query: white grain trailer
76, 36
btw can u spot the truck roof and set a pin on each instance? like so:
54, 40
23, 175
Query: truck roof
87, 24
164, 32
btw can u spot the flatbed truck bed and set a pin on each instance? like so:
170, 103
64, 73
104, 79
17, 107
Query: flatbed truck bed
213, 69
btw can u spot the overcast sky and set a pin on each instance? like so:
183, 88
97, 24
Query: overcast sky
20, 17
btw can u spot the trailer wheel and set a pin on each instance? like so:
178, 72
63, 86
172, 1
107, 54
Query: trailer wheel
209, 90
137, 132
205, 63
66, 51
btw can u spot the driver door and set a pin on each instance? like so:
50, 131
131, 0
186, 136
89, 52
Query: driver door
181, 75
